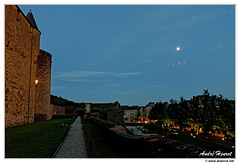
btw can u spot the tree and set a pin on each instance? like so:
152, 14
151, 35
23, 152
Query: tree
217, 114
208, 118
157, 112
210, 112
61, 101
226, 111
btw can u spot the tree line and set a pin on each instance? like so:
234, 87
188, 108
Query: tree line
61, 101
209, 112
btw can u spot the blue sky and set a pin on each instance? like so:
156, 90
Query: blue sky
127, 53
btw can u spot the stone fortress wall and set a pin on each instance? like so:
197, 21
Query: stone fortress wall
28, 77
27, 70
110, 112
58, 110
43, 110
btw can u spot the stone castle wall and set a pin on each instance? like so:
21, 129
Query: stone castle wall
22, 43
43, 77
104, 106
58, 110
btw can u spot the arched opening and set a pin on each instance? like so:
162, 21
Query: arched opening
80, 112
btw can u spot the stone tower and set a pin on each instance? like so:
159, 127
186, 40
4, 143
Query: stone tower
24, 63
43, 109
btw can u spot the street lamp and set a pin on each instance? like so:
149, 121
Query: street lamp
36, 81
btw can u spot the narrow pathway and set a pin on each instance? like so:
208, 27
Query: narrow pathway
74, 145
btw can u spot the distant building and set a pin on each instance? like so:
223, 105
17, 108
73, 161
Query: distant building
130, 112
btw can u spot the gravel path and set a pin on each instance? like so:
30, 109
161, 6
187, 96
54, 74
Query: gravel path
74, 145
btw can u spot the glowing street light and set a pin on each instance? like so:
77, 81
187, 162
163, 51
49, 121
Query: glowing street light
36, 81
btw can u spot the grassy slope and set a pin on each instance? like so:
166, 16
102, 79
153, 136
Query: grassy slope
35, 140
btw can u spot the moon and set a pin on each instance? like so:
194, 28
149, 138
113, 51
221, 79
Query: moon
178, 48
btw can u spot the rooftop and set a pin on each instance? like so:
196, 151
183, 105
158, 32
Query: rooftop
32, 20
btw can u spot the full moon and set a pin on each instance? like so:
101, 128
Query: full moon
178, 48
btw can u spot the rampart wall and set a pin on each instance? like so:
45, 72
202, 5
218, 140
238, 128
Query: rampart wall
148, 146
107, 111
22, 58
43, 77
58, 110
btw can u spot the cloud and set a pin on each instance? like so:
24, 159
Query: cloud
126, 74
81, 76
178, 63
141, 62
155, 86
196, 19
78, 80
90, 76
78, 74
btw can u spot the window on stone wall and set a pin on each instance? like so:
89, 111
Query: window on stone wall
17, 23
33, 39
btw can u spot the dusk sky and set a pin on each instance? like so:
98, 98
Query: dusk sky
129, 54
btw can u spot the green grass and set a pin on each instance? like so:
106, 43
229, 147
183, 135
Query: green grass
35, 140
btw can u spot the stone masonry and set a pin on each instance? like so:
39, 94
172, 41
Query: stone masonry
24, 65
43, 77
